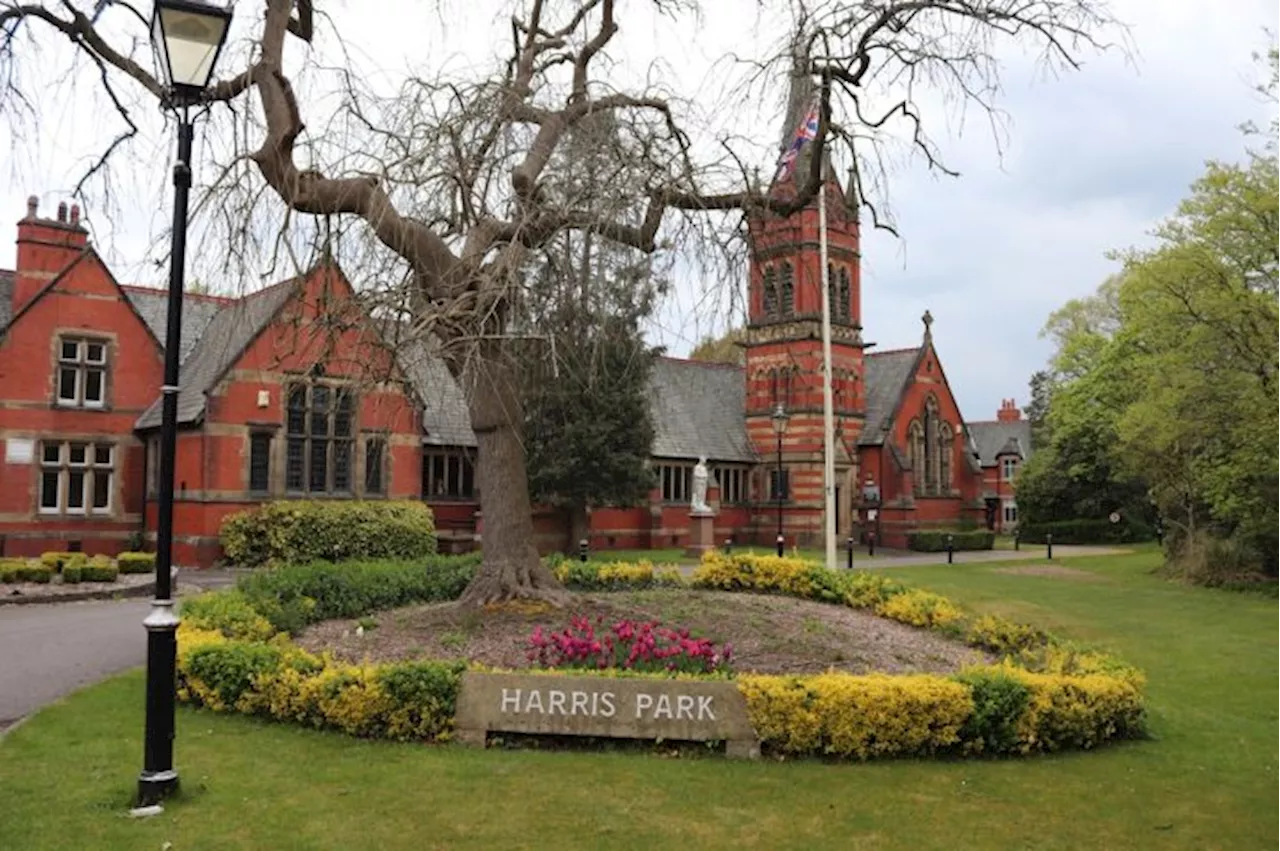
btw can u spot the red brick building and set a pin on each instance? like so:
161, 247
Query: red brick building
1003, 445
293, 392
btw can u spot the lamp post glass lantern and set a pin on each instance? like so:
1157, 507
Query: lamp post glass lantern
188, 38
780, 420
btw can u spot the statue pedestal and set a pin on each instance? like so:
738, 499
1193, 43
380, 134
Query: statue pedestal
702, 533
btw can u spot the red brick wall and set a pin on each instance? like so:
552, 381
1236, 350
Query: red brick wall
85, 300
319, 325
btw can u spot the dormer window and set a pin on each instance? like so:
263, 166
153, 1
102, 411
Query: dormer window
82, 372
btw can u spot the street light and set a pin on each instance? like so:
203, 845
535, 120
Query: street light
187, 38
780, 419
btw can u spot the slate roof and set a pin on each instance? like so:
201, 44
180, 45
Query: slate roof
197, 311
697, 409
6, 297
1001, 438
887, 373
445, 419
224, 339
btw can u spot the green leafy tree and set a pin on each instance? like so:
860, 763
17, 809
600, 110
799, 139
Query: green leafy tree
588, 429
726, 348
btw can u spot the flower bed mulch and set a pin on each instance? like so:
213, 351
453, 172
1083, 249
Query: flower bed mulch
768, 634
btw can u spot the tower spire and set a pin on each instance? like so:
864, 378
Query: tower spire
800, 94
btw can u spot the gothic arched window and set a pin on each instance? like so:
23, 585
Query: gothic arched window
787, 285
846, 296
932, 452
833, 294
769, 304
915, 448
946, 443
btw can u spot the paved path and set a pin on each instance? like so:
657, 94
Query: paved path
47, 651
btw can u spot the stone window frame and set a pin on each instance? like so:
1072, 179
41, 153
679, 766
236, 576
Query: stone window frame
382, 439
733, 484
459, 467
1008, 507
90, 466
1009, 467
339, 389
82, 365
675, 481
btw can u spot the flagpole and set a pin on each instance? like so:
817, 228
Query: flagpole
828, 404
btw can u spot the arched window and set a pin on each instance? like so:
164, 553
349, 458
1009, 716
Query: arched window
787, 285
773, 380
946, 443
770, 302
846, 296
833, 292
915, 445
932, 452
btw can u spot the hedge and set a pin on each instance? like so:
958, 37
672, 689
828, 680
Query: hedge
1045, 695
295, 531
1086, 532
136, 562
935, 541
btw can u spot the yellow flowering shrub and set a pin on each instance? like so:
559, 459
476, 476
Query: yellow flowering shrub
1046, 695
1076, 711
994, 633
920, 608
860, 716
747, 572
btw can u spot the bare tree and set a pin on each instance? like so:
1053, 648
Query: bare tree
455, 179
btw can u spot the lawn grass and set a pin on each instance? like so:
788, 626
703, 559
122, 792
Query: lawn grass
1206, 780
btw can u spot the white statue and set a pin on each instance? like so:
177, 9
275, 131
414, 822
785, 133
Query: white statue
700, 486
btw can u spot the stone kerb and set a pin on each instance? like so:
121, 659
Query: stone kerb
639, 708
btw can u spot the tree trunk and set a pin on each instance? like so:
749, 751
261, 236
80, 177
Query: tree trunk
511, 569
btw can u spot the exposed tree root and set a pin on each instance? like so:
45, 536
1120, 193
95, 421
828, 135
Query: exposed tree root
513, 580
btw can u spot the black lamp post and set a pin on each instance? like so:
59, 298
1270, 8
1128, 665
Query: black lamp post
187, 38
780, 419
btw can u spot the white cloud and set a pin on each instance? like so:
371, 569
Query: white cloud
1093, 160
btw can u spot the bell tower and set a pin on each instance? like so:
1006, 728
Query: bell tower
783, 341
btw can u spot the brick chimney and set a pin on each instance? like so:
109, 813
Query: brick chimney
1008, 412
45, 248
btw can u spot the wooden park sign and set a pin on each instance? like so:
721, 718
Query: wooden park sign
639, 708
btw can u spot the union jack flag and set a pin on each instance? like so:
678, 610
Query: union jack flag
806, 132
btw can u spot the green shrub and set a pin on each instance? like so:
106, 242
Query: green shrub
1086, 532
228, 670
54, 560
72, 574
136, 562
228, 612
935, 540
34, 572
998, 702
9, 569
868, 589
98, 570
293, 596
425, 695
296, 532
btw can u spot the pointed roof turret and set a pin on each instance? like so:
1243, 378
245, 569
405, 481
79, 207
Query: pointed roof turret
801, 92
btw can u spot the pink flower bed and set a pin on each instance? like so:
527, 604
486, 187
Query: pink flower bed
629, 645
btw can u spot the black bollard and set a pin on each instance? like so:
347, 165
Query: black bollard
950, 548
849, 559
871, 544
1048, 542
582, 549
781, 543
728, 545
1017, 539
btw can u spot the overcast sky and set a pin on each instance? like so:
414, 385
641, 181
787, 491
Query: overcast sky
1091, 161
